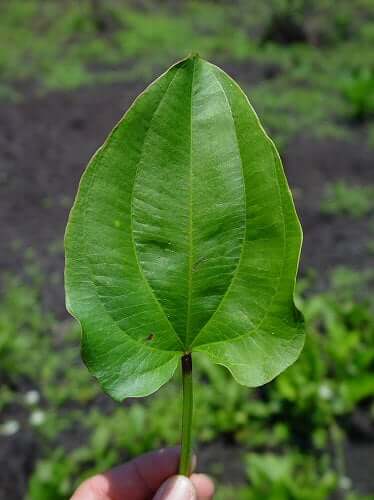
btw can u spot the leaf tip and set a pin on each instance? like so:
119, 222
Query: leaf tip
193, 56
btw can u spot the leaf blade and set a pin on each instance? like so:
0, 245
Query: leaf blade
174, 240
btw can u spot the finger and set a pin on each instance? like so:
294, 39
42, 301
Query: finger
177, 488
138, 479
204, 486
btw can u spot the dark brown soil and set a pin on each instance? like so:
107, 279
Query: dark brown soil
45, 144
329, 241
17, 458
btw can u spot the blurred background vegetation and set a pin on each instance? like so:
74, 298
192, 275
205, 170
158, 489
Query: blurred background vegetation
68, 71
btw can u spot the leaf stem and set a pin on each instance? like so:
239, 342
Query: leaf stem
187, 409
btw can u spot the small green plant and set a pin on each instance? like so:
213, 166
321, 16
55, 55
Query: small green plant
51, 478
340, 198
333, 376
358, 91
184, 238
288, 477
23, 329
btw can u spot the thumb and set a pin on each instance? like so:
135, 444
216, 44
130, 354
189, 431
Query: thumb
176, 488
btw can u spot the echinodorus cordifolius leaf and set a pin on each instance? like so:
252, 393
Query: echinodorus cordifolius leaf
184, 237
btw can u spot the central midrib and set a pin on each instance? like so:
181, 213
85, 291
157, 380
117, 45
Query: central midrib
190, 228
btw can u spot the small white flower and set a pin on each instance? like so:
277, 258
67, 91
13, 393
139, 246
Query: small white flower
37, 417
32, 397
345, 483
325, 392
9, 428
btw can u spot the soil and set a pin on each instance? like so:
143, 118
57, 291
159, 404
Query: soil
18, 456
45, 144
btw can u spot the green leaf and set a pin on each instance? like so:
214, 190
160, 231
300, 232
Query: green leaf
184, 237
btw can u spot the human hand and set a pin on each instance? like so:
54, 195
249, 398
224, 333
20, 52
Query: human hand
150, 476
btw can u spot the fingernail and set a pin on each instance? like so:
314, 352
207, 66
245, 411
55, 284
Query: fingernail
176, 488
